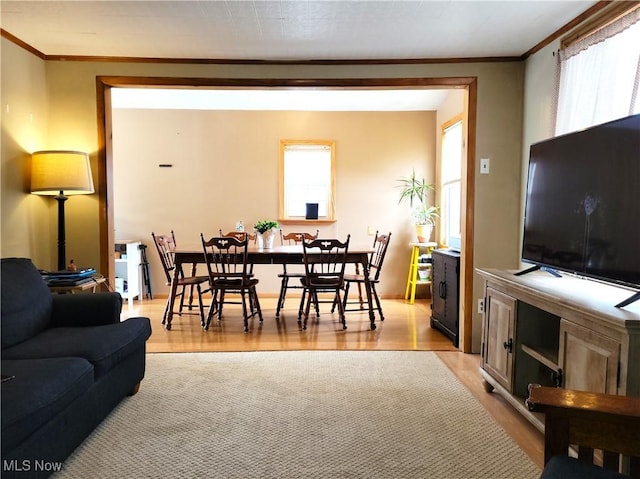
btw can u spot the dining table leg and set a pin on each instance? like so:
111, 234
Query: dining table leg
367, 287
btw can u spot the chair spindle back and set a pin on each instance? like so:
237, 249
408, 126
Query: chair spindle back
166, 245
225, 257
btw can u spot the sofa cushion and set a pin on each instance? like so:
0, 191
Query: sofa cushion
565, 467
26, 301
96, 309
104, 346
38, 391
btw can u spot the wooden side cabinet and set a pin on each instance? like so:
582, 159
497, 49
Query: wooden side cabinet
445, 297
559, 332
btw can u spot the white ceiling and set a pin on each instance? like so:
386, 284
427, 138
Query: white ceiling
286, 30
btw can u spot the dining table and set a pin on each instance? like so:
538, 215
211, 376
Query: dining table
285, 254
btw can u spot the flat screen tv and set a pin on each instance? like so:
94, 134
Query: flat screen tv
582, 211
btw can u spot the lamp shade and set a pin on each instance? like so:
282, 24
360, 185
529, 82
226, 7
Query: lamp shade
56, 171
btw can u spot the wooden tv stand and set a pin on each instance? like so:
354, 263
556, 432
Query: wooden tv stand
565, 332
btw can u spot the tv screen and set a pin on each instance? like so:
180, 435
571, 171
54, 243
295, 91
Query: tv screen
582, 211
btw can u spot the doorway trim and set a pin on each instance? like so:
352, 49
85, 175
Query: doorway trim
104, 84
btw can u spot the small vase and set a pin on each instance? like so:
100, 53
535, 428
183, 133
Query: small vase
266, 239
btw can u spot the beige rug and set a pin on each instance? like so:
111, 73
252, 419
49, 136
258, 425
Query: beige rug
299, 414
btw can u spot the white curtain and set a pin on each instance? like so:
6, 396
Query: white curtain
599, 76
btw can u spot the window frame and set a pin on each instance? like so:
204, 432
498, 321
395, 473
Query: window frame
444, 186
331, 205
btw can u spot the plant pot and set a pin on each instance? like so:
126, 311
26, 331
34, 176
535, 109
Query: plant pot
266, 239
424, 233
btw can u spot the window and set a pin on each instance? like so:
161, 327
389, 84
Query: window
600, 75
450, 179
307, 175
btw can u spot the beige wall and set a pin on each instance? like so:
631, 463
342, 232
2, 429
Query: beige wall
28, 221
539, 107
225, 169
72, 118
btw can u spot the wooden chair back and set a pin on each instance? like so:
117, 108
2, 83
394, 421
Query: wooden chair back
296, 238
241, 235
225, 257
605, 423
324, 262
166, 245
380, 245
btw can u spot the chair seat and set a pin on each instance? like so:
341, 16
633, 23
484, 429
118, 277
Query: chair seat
235, 283
193, 280
322, 282
291, 275
359, 278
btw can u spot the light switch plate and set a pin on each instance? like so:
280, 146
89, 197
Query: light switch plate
484, 166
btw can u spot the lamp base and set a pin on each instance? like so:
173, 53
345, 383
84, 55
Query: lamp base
62, 242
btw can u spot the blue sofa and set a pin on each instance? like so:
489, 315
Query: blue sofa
67, 361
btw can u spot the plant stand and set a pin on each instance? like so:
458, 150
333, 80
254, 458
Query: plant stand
413, 279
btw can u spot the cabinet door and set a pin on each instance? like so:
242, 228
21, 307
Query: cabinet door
438, 286
589, 360
452, 304
500, 317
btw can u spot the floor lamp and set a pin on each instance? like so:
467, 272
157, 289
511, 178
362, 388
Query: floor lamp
61, 173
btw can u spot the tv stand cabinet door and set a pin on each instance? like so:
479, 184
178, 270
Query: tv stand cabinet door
589, 360
499, 341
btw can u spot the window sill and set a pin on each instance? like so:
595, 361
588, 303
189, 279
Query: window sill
302, 221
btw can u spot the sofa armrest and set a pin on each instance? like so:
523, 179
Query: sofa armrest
588, 421
86, 309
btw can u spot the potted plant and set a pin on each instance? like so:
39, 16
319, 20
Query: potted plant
266, 230
415, 191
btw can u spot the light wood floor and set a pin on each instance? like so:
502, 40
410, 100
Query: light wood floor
406, 327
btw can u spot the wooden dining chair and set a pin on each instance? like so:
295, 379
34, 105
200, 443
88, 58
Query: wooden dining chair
324, 263
286, 276
228, 270
166, 245
376, 259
